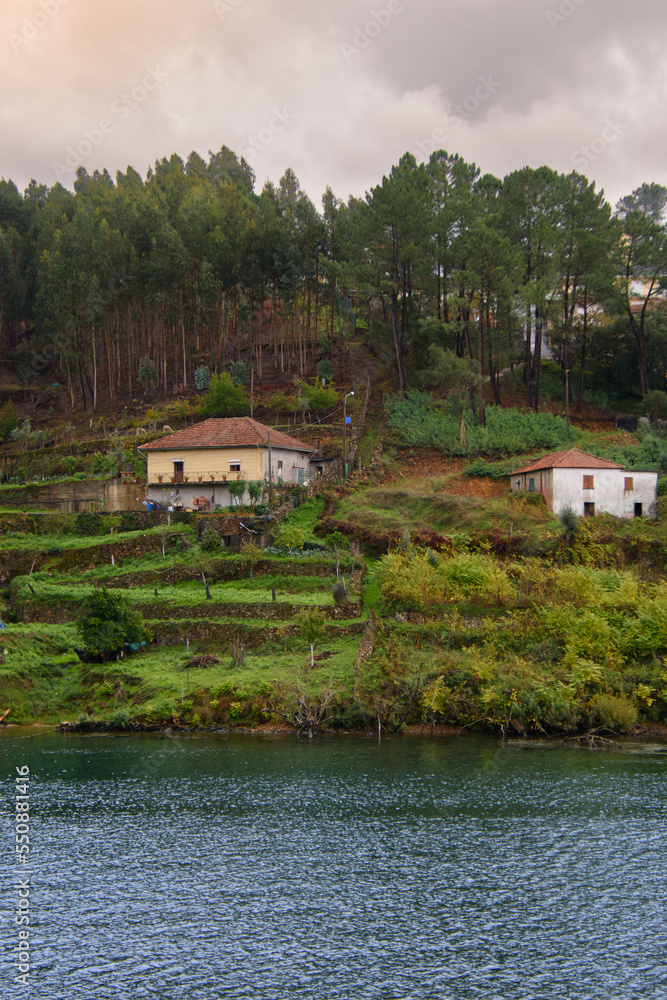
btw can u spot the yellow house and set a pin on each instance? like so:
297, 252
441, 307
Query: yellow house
200, 461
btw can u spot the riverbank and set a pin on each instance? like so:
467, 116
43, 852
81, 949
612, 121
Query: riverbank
517, 633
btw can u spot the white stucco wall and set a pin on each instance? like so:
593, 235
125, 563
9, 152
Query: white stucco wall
608, 494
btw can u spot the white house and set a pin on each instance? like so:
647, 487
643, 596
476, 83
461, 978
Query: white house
588, 484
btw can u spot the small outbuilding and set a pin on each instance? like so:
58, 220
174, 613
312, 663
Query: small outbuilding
588, 484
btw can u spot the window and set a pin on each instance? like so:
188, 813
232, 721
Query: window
280, 466
234, 466
589, 482
629, 484
531, 485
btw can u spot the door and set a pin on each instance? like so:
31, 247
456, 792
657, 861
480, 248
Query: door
178, 472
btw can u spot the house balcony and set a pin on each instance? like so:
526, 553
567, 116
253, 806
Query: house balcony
213, 478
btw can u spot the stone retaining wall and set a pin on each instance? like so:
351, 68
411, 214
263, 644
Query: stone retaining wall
62, 612
173, 633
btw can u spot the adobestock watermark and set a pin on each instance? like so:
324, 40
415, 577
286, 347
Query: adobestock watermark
460, 113
585, 155
254, 144
31, 26
21, 953
224, 7
120, 109
565, 10
363, 36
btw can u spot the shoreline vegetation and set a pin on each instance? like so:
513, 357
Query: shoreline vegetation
473, 613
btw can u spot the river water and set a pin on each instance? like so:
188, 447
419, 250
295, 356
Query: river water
276, 867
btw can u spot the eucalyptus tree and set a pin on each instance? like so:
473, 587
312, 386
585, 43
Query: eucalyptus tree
224, 167
300, 239
17, 254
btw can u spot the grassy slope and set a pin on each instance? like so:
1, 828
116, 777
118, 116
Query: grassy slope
42, 678
476, 657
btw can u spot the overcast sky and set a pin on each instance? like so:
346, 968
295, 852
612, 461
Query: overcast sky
337, 90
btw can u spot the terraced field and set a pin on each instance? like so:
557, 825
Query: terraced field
226, 648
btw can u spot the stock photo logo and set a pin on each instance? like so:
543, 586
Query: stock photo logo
120, 109
363, 36
254, 144
565, 10
584, 155
223, 7
31, 26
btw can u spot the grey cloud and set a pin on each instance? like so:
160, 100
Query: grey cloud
354, 115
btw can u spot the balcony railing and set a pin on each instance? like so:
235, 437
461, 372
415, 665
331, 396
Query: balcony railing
211, 478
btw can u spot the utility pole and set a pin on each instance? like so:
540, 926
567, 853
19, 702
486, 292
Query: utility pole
270, 476
345, 435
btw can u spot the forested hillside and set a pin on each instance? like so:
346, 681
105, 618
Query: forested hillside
448, 277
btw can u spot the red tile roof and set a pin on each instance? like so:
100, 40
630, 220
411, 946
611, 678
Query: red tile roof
572, 459
225, 432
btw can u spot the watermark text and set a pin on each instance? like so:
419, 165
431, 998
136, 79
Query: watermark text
364, 35
21, 951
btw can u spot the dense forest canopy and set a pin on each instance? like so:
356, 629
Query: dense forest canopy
449, 276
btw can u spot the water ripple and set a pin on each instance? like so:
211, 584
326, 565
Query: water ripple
340, 869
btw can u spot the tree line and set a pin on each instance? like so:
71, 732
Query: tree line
449, 276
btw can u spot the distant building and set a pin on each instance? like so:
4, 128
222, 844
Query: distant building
588, 484
200, 461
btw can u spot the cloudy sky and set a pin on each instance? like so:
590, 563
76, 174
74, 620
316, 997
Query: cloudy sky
336, 90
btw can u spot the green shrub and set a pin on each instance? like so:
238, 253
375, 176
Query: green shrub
278, 401
109, 622
239, 372
496, 470
418, 421
202, 378
614, 712
223, 399
121, 718
210, 541
147, 373
9, 419
88, 523
128, 521
317, 397
325, 370
290, 537
55, 523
